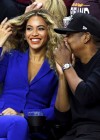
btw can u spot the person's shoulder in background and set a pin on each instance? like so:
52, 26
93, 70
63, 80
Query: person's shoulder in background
12, 8
26, 2
68, 4
86, 6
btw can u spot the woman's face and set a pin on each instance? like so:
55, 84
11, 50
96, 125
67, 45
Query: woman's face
36, 33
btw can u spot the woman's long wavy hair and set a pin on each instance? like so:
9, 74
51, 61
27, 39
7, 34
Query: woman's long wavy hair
57, 8
17, 39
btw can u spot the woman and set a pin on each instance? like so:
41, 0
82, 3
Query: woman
78, 99
27, 71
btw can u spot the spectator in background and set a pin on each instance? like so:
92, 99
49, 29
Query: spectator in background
68, 4
86, 6
27, 71
12, 8
24, 1
78, 99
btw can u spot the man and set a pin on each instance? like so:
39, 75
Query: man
78, 99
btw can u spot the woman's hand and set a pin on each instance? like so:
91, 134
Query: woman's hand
10, 111
59, 69
5, 31
33, 6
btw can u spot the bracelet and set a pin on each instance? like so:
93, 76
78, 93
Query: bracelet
66, 66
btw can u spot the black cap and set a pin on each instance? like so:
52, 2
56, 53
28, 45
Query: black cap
81, 22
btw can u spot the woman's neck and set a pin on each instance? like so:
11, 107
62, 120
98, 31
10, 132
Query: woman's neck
37, 56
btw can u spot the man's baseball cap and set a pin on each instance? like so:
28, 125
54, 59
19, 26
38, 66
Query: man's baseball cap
81, 22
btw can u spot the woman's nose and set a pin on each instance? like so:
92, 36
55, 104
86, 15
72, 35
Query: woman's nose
35, 32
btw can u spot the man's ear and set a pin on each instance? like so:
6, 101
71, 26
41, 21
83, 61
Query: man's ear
87, 37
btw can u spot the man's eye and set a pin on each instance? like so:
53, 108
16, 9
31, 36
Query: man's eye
68, 34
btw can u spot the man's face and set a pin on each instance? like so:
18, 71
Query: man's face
75, 41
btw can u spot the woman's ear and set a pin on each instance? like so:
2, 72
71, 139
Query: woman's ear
87, 37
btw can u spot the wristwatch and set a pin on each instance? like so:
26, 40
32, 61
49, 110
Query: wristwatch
66, 66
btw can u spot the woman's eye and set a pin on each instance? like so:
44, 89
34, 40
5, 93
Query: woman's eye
41, 28
28, 28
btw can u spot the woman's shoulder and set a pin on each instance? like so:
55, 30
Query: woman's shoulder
15, 52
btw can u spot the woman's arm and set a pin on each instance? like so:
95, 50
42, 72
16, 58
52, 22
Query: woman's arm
62, 99
62, 104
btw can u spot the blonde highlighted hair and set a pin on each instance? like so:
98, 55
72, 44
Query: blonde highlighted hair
57, 8
17, 41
